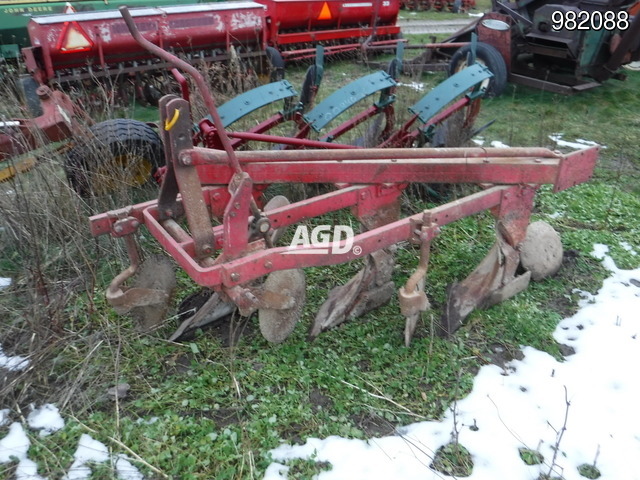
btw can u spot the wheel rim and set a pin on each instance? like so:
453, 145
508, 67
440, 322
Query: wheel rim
463, 64
125, 169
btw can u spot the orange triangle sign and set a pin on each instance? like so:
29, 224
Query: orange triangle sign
325, 13
73, 39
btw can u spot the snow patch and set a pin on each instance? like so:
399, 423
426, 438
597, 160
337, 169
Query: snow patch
4, 282
594, 391
418, 87
14, 444
579, 143
150, 421
499, 144
47, 419
4, 417
14, 363
628, 248
125, 470
89, 450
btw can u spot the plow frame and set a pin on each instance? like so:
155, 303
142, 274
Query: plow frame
370, 180
203, 184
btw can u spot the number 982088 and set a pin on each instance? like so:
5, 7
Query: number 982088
584, 20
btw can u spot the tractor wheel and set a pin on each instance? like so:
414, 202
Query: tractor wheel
307, 94
488, 56
394, 69
120, 152
28, 87
276, 64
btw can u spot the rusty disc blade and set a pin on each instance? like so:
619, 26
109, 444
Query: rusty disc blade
201, 309
155, 273
276, 202
277, 325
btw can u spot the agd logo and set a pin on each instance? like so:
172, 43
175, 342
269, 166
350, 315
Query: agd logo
321, 242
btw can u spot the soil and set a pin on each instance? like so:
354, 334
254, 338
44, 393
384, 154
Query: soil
500, 355
373, 425
228, 329
319, 400
224, 417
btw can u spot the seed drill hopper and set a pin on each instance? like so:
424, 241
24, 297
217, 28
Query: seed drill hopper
210, 218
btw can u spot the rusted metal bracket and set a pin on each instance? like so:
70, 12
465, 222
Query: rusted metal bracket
176, 121
412, 297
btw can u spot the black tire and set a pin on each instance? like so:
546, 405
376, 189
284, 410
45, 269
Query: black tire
395, 68
117, 153
306, 93
276, 64
28, 87
152, 94
486, 55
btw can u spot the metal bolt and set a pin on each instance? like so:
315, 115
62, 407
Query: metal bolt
216, 196
185, 159
118, 228
232, 214
135, 223
264, 226
235, 277
236, 205
43, 92
207, 249
268, 265
168, 212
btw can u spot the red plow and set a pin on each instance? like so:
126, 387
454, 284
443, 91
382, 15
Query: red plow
211, 218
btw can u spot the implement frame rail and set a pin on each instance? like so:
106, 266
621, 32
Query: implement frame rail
236, 258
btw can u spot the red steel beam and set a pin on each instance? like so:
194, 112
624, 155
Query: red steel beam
479, 165
262, 262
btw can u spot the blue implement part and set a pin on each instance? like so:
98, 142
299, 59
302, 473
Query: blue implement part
250, 101
454, 86
346, 97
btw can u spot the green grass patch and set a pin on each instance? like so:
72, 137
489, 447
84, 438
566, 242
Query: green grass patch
531, 457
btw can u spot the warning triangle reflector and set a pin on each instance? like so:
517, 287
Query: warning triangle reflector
325, 13
73, 39
68, 8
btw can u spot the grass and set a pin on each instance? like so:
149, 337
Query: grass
204, 410
481, 6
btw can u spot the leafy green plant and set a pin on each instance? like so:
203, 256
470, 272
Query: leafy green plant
589, 471
304, 469
453, 459
530, 457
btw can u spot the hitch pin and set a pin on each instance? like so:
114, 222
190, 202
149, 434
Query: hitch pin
169, 124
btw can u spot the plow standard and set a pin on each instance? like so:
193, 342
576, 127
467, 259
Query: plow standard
211, 218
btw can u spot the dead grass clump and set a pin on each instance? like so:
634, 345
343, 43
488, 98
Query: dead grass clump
54, 312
